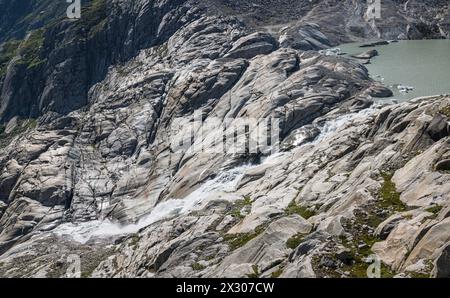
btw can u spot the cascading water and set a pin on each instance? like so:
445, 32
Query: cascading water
224, 183
332, 126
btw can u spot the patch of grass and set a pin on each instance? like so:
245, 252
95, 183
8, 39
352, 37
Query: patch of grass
418, 275
390, 198
31, 49
435, 210
238, 240
295, 240
255, 273
361, 229
197, 266
277, 273
7, 52
359, 270
134, 240
374, 220
445, 111
94, 16
238, 206
360, 236
304, 212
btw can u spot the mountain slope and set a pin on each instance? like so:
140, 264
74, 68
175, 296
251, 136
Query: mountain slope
96, 154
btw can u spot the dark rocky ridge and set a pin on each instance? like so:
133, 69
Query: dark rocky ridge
77, 54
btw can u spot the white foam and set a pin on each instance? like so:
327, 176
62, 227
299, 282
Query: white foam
332, 126
331, 52
223, 183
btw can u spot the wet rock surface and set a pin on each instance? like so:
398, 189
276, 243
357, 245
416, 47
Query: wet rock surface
96, 161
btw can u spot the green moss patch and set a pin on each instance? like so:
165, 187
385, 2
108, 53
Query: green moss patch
304, 212
94, 16
134, 240
295, 240
7, 51
389, 196
359, 270
238, 240
435, 209
31, 49
445, 111
197, 266
277, 273
238, 206
255, 273
418, 275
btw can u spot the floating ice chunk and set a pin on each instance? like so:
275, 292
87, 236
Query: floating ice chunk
404, 88
331, 52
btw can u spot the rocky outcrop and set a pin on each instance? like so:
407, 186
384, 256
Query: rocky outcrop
126, 157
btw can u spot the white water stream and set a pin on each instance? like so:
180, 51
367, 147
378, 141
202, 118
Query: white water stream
225, 182
340, 122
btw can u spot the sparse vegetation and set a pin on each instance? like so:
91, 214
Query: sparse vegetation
277, 273
435, 209
445, 111
255, 273
295, 240
304, 212
94, 16
389, 196
418, 275
30, 50
360, 245
238, 240
362, 231
134, 240
238, 206
197, 266
359, 270
7, 51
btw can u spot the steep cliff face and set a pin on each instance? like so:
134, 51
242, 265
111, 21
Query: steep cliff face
100, 148
70, 56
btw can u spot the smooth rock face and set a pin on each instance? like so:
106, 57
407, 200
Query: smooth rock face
111, 169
